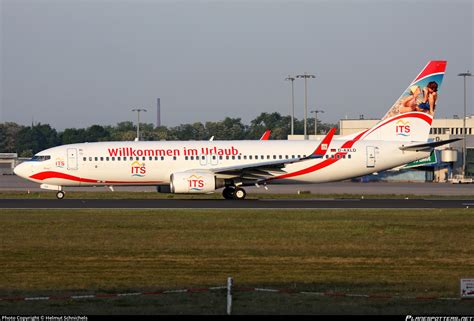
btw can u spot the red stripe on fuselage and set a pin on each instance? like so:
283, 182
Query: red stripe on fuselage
51, 174
324, 163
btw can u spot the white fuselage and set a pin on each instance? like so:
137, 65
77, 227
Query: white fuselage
152, 163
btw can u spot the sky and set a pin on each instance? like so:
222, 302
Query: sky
75, 63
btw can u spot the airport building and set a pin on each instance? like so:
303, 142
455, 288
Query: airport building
446, 162
8, 161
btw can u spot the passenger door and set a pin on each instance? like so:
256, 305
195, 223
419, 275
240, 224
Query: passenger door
371, 156
72, 158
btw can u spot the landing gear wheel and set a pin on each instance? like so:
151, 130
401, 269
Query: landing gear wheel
60, 195
228, 193
239, 194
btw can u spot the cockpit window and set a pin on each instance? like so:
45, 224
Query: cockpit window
40, 158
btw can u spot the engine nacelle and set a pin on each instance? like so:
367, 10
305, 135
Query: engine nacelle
189, 182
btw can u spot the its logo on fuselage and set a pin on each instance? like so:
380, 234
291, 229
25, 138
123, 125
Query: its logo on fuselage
195, 183
402, 128
59, 162
138, 169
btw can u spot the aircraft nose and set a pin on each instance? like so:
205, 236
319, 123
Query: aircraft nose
20, 170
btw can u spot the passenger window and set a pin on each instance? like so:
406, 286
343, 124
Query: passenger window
113, 158
185, 157
233, 157
102, 159
227, 157
338, 156
280, 157
274, 157
96, 159
90, 159
332, 156
84, 159
107, 159
118, 158
150, 158
143, 158
213, 156
174, 157
220, 157
299, 156
162, 158
250, 156
238, 157
348, 156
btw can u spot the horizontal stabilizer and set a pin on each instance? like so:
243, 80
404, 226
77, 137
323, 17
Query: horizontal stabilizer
428, 146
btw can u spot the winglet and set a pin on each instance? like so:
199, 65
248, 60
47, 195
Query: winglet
266, 135
324, 146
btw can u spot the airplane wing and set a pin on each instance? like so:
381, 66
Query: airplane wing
257, 172
263, 170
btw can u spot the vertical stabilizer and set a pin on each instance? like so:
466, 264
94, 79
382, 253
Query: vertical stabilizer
410, 117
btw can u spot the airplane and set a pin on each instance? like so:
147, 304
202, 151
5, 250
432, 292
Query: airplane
201, 167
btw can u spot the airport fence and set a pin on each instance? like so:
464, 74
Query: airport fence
231, 290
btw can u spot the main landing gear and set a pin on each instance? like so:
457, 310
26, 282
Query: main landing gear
234, 193
60, 195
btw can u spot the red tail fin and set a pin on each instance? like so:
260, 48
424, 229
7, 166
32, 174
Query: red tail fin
266, 135
324, 146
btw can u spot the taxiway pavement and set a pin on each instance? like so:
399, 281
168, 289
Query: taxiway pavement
231, 204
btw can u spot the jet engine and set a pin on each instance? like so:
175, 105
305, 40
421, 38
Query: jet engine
194, 182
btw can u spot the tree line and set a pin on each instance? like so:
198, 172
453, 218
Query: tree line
28, 140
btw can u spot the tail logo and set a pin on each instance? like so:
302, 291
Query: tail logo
402, 128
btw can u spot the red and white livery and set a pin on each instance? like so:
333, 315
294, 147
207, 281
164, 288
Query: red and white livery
206, 166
